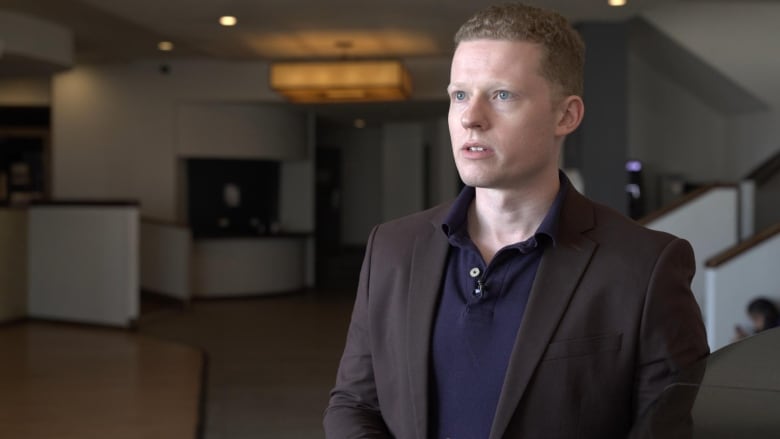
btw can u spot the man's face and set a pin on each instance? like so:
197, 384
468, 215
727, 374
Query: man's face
503, 118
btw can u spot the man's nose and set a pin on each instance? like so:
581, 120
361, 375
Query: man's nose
475, 115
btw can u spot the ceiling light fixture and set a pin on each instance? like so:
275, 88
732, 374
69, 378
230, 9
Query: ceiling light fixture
165, 46
617, 2
341, 81
228, 20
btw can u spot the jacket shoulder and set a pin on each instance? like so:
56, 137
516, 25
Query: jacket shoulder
395, 239
416, 222
612, 225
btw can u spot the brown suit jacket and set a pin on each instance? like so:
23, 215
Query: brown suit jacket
609, 323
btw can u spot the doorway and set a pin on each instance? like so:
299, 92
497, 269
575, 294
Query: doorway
328, 217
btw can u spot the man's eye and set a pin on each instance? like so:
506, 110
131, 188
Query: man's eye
503, 95
459, 95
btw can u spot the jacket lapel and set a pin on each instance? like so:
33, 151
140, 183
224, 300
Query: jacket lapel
428, 264
559, 273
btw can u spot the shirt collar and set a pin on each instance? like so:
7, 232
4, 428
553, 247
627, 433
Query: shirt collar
454, 224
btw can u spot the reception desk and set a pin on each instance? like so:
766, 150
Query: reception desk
245, 266
83, 262
74, 261
180, 266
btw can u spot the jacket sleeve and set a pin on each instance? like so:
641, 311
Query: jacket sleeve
353, 410
672, 336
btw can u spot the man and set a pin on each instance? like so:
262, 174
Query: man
522, 310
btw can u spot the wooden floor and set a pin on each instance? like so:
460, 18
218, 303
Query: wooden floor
269, 364
65, 381
271, 360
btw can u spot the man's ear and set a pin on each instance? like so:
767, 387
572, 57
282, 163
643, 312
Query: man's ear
571, 111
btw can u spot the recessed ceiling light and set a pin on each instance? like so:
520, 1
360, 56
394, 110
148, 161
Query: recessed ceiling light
617, 2
228, 20
165, 46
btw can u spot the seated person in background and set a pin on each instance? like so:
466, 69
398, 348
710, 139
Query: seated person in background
764, 315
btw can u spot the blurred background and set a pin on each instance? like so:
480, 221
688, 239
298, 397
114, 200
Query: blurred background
186, 188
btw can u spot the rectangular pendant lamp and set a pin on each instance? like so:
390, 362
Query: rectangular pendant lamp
341, 81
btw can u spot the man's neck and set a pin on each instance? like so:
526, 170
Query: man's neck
500, 217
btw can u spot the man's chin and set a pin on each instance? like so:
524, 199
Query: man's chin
481, 183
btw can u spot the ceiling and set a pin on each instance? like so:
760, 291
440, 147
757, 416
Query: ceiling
120, 30
738, 38
732, 36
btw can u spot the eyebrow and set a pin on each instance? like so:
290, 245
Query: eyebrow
492, 86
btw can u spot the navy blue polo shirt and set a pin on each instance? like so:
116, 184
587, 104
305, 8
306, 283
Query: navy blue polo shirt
477, 320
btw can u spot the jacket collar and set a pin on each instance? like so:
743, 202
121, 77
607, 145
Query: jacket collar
429, 261
556, 280
559, 273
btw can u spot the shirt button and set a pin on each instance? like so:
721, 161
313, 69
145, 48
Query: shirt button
474, 272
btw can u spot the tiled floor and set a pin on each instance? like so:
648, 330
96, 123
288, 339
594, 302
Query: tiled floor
271, 361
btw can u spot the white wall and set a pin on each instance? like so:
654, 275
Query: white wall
361, 177
444, 175
360, 182
13, 264
735, 38
402, 169
296, 196
731, 286
377, 162
115, 127
240, 130
35, 39
113, 137
710, 224
430, 77
673, 131
754, 138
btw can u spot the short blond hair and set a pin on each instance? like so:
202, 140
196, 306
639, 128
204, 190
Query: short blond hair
563, 56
